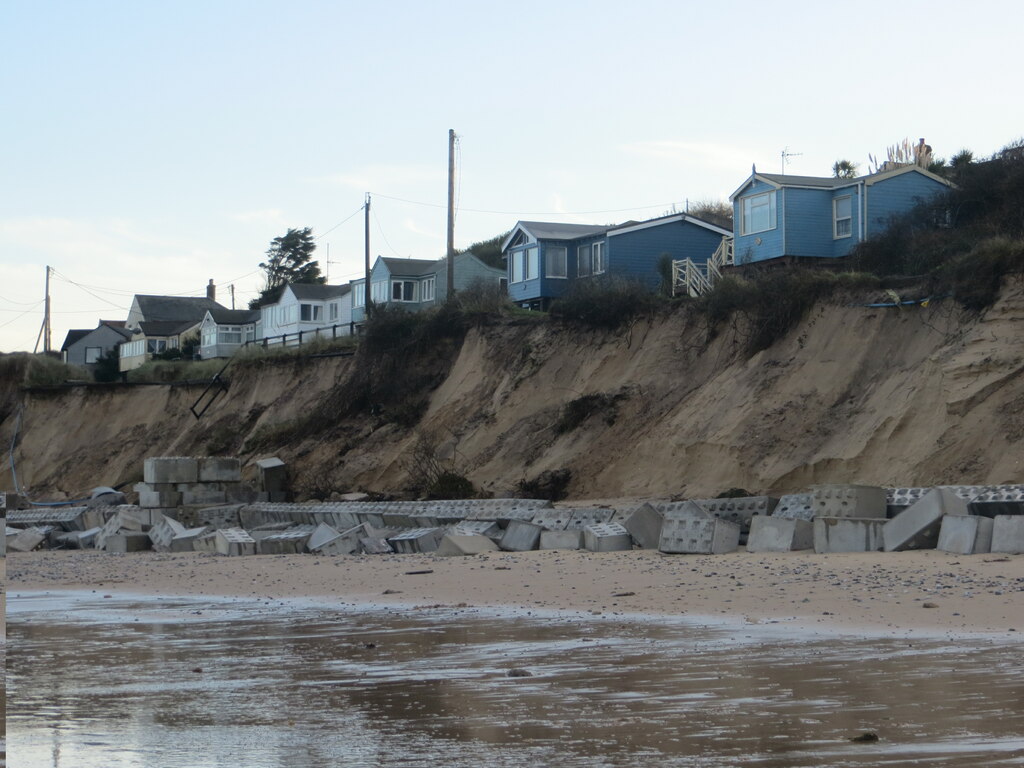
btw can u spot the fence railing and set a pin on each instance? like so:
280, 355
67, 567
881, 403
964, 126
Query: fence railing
305, 336
689, 278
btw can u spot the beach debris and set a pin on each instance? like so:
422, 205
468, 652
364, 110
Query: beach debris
623, 594
929, 605
868, 737
519, 672
419, 573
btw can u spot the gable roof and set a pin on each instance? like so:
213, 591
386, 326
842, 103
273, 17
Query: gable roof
410, 267
682, 218
74, 335
166, 327
779, 180
549, 230
174, 308
223, 316
317, 291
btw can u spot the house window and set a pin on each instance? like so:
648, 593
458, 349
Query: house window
554, 261
156, 346
403, 290
209, 335
332, 311
584, 266
598, 258
311, 313
842, 217
429, 287
359, 294
379, 291
230, 334
519, 239
532, 262
92, 354
517, 267
757, 213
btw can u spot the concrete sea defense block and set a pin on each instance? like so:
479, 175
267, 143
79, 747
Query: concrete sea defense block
347, 542
644, 525
418, 540
860, 501
1001, 500
1008, 534
520, 536
127, 541
690, 529
554, 519
584, 516
779, 534
288, 542
26, 540
917, 526
607, 537
487, 528
375, 545
170, 469
571, 539
740, 509
795, 506
458, 544
187, 541
162, 534
158, 495
847, 534
234, 541
219, 469
965, 534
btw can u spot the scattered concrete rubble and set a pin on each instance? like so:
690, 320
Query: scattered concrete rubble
201, 504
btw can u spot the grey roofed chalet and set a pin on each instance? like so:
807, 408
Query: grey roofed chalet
174, 308
317, 291
75, 334
826, 182
544, 230
410, 267
223, 316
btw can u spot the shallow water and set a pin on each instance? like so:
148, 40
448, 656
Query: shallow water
169, 683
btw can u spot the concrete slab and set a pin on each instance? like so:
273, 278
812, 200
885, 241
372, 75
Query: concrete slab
570, 539
25, 540
1008, 534
965, 534
779, 534
644, 525
487, 528
375, 545
858, 501
554, 519
847, 534
689, 529
520, 536
607, 537
417, 540
288, 542
584, 516
741, 509
233, 542
795, 506
82, 539
322, 534
917, 526
188, 541
347, 542
1001, 500
219, 469
127, 541
160, 495
162, 534
170, 469
65, 518
454, 544
273, 477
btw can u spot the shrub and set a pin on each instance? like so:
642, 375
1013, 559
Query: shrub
974, 278
166, 371
551, 484
48, 371
434, 477
605, 302
577, 411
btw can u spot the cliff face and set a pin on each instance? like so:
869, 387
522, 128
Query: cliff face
892, 396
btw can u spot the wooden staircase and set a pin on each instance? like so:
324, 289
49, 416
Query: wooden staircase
692, 279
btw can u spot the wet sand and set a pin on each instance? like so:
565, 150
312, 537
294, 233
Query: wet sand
928, 592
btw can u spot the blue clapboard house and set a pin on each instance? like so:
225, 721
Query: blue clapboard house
779, 217
546, 259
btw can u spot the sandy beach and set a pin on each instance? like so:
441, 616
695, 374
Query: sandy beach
879, 593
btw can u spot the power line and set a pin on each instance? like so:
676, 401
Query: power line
381, 230
18, 317
69, 280
357, 211
22, 303
527, 213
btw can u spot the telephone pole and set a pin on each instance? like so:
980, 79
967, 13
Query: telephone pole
451, 213
366, 264
44, 331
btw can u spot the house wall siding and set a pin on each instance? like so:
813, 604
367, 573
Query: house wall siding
808, 222
636, 254
898, 195
746, 248
104, 337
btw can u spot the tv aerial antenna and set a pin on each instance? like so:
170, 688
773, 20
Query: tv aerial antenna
786, 154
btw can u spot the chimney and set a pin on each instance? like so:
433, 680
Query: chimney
211, 291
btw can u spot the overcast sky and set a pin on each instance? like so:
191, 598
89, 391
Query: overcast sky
150, 146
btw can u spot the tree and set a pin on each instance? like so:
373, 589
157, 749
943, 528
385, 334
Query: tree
844, 169
289, 260
715, 212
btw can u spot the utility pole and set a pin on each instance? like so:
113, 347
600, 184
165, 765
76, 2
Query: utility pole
44, 331
366, 264
232, 287
451, 213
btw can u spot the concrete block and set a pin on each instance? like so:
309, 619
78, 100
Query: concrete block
322, 534
127, 541
417, 540
1000, 500
584, 516
795, 506
234, 541
741, 509
554, 519
848, 534
644, 525
779, 534
347, 542
917, 526
120, 521
25, 540
458, 544
859, 501
607, 537
689, 529
398, 520
1008, 534
569, 539
81, 539
965, 534
520, 536
162, 534
65, 518
162, 495
170, 469
273, 477
219, 516
219, 469
487, 528
205, 542
288, 542
187, 541
898, 499
375, 545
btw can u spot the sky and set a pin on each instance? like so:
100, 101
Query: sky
149, 147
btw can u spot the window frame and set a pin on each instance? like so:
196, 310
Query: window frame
587, 260
428, 291
97, 351
746, 212
836, 219
402, 285
551, 251
598, 261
